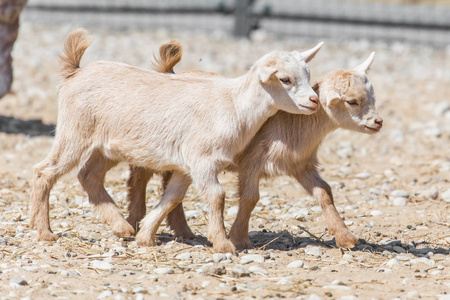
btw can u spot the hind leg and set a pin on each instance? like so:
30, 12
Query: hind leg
137, 184
92, 177
63, 157
173, 195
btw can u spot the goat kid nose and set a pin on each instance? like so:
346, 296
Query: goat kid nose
314, 99
379, 121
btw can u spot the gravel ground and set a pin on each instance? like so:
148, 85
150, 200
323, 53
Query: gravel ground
392, 189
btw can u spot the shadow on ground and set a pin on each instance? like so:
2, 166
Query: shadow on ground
286, 241
28, 127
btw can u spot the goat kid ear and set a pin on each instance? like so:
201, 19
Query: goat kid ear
332, 98
266, 73
309, 54
365, 66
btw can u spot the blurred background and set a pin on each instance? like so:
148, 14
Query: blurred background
415, 21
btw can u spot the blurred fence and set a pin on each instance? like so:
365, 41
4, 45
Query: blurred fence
332, 19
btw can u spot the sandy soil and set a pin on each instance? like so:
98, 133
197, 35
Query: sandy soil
392, 189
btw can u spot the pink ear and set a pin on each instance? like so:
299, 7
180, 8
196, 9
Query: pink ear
265, 74
332, 98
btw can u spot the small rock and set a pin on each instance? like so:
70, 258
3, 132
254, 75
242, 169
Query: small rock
400, 193
314, 297
399, 249
407, 281
283, 281
240, 271
20, 228
346, 170
246, 259
213, 270
232, 212
18, 282
33, 269
298, 264
315, 251
2, 241
363, 175
446, 196
164, 271
444, 297
184, 256
105, 294
218, 257
101, 265
402, 258
393, 264
424, 260
376, 213
399, 201
139, 290
431, 194
206, 283
349, 297
412, 295
192, 214
258, 270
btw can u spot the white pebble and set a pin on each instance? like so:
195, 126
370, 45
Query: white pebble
20, 228
283, 281
164, 271
424, 260
184, 256
218, 257
446, 196
407, 281
258, 270
393, 264
105, 294
246, 259
400, 193
376, 213
232, 212
363, 175
316, 251
298, 264
33, 269
314, 297
101, 265
399, 201
412, 294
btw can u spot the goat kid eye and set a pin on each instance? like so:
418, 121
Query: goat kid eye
285, 80
352, 102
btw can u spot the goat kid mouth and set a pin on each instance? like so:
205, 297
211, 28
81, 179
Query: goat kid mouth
312, 108
373, 129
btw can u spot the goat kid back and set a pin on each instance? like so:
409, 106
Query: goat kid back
113, 112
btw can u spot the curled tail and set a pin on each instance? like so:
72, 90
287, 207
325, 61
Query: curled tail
170, 54
74, 47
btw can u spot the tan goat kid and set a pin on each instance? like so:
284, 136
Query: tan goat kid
286, 144
113, 112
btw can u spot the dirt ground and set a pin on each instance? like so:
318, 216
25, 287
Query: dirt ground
392, 189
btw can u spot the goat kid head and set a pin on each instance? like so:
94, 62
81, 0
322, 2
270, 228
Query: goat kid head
285, 76
349, 99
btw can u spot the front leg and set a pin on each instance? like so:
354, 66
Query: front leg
321, 191
210, 189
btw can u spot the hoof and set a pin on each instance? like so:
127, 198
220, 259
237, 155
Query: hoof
346, 240
224, 247
47, 236
241, 243
144, 242
125, 231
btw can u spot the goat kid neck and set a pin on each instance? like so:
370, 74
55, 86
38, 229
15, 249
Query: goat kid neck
253, 106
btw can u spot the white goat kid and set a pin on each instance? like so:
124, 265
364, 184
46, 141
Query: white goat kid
285, 145
114, 112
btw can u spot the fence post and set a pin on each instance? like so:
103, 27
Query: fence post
242, 24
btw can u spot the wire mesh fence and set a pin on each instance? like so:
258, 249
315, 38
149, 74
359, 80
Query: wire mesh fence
332, 19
